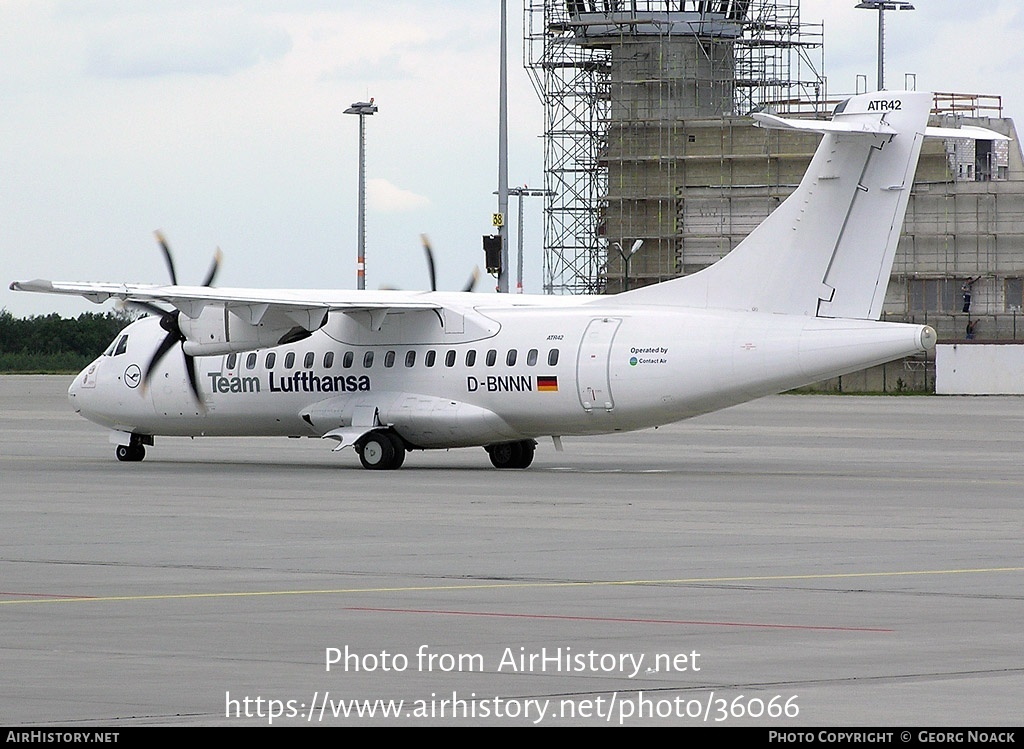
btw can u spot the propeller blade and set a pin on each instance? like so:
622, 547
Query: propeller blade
169, 341
169, 322
167, 257
190, 370
471, 283
218, 256
430, 261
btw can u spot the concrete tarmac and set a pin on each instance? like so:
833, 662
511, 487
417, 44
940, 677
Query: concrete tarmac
798, 561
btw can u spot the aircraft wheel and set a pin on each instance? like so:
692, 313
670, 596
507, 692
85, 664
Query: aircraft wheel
529, 447
130, 453
380, 451
511, 454
504, 454
399, 458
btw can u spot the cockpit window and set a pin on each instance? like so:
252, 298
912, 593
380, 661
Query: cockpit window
122, 345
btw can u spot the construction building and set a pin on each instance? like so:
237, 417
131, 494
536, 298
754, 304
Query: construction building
647, 137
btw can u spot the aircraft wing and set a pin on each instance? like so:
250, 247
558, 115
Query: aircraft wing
193, 299
257, 316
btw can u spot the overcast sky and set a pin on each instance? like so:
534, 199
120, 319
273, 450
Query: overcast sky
220, 122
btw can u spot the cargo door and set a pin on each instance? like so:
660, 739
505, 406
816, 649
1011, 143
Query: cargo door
592, 365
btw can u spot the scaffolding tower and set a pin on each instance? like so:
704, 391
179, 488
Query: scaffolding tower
619, 80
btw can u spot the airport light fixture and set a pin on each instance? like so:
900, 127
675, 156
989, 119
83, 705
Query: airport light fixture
520, 193
626, 257
363, 109
881, 6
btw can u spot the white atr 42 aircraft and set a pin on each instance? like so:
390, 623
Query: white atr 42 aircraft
391, 371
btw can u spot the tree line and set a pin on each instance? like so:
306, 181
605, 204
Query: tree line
55, 344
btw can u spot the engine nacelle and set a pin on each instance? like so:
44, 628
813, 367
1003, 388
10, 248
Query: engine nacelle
220, 330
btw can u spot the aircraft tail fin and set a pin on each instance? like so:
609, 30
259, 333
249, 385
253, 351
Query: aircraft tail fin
827, 251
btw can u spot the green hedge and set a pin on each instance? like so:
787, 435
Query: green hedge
51, 343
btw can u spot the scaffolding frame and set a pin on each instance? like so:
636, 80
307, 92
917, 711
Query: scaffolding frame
571, 81
568, 51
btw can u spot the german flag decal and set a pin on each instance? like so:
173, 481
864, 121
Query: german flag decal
547, 384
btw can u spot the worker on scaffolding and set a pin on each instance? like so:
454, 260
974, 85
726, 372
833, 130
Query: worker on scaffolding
965, 290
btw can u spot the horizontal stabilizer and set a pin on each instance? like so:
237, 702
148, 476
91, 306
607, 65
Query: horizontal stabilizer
967, 131
773, 122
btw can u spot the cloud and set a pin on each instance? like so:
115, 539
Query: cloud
387, 68
184, 44
384, 197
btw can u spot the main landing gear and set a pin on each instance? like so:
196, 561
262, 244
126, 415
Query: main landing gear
512, 454
381, 451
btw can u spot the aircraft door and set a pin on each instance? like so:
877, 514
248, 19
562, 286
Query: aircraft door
592, 365
171, 394
169, 388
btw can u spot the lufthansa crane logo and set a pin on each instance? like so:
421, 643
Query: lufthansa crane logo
133, 376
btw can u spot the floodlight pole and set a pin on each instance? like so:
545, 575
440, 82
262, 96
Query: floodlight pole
503, 156
363, 109
881, 6
520, 193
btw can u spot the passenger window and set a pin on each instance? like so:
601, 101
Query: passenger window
122, 345
230, 364
410, 358
510, 357
250, 361
471, 357
347, 359
368, 360
307, 360
531, 357
389, 359
552, 357
289, 360
270, 360
492, 356
328, 360
449, 359
429, 358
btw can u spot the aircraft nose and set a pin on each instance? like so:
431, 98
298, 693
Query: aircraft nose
74, 390
82, 380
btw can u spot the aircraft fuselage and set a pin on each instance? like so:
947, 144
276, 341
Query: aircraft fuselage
495, 375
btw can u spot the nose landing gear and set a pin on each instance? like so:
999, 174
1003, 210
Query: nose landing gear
135, 450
